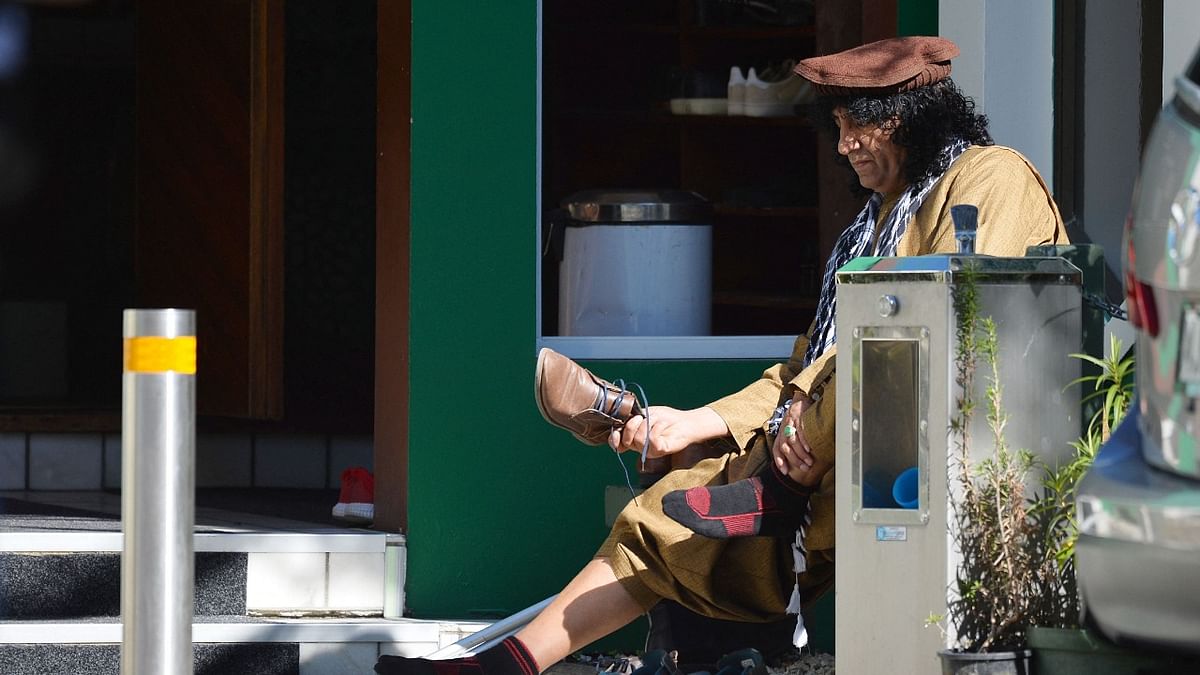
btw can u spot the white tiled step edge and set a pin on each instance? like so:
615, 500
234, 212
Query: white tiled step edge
409, 637
310, 571
247, 541
327, 646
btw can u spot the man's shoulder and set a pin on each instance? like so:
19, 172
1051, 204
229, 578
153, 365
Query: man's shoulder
994, 155
976, 154
991, 165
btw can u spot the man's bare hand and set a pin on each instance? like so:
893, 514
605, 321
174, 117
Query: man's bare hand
791, 452
670, 430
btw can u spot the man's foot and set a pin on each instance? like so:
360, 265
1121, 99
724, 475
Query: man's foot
507, 658
571, 397
768, 505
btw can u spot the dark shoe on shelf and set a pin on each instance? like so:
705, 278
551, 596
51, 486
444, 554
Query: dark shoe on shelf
570, 397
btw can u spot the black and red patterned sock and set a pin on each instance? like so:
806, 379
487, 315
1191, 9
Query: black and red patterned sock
769, 505
507, 658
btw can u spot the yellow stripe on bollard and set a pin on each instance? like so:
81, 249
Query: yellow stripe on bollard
161, 355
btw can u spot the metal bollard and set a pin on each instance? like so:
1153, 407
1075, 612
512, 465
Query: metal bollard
158, 448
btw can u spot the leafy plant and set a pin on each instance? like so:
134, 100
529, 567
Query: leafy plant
1017, 562
1002, 558
1112, 387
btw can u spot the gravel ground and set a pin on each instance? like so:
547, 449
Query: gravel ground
591, 664
806, 664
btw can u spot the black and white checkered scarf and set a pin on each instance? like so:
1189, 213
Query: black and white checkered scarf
853, 243
858, 237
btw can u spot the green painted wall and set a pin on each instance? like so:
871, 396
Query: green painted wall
503, 508
917, 17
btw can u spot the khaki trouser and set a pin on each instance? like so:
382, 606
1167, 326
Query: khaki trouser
740, 579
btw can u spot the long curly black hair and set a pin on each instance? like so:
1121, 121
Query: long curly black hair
929, 118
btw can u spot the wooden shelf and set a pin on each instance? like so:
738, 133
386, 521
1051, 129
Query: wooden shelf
763, 300
626, 115
742, 120
640, 28
660, 113
749, 32
806, 212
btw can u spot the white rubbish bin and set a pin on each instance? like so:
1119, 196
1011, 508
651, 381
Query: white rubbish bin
636, 262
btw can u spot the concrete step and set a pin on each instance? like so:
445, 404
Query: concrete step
274, 594
60, 558
66, 585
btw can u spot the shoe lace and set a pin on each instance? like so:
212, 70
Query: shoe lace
645, 405
614, 409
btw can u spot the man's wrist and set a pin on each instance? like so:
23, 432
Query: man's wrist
710, 425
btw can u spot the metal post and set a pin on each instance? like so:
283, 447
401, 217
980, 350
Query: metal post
966, 219
158, 447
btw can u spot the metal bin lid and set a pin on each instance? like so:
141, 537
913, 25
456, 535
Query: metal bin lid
638, 206
944, 268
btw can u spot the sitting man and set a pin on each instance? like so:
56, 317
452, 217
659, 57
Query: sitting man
916, 145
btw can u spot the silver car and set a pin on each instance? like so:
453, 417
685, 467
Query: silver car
1138, 554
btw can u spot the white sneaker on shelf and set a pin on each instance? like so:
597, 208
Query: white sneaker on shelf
737, 92
708, 106
776, 97
777, 72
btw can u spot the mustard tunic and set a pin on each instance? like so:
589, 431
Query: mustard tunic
751, 578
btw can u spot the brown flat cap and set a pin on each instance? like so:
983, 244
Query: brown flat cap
884, 67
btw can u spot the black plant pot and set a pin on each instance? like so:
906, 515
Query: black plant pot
992, 663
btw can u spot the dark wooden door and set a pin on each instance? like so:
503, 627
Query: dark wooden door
209, 190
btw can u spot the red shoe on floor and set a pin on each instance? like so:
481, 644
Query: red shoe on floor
356, 502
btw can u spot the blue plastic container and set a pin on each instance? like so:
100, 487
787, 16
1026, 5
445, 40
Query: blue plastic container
904, 489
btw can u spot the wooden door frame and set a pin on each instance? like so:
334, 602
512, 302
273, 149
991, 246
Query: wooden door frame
209, 221
392, 245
